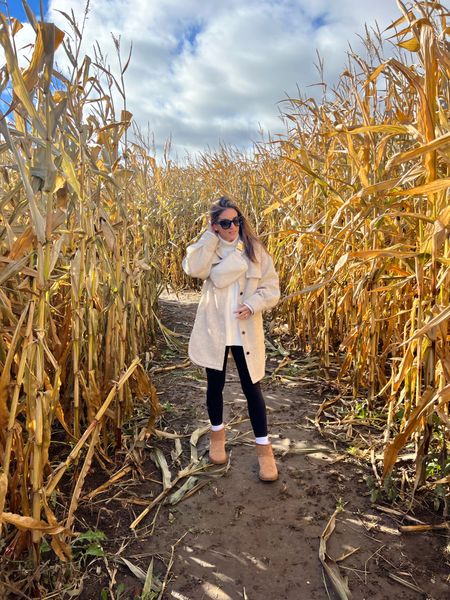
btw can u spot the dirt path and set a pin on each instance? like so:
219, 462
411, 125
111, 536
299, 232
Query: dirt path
248, 539
239, 538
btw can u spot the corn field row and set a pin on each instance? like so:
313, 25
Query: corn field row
352, 202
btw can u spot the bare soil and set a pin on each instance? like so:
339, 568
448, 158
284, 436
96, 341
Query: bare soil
255, 540
240, 538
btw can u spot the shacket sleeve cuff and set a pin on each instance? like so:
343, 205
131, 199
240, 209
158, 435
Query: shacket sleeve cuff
210, 239
249, 307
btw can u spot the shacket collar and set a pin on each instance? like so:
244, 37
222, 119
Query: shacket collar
224, 245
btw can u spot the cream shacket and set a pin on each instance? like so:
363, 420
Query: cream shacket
259, 290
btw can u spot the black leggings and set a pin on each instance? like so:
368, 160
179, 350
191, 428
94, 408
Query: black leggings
252, 391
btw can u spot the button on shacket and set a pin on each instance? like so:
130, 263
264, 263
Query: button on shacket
256, 286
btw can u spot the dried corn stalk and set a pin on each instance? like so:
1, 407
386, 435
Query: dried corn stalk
77, 274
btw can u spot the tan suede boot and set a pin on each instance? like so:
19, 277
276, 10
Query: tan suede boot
217, 454
267, 466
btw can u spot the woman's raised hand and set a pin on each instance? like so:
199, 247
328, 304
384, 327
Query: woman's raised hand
210, 228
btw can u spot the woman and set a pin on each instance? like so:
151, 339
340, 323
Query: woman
240, 283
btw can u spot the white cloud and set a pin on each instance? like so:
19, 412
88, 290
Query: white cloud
205, 71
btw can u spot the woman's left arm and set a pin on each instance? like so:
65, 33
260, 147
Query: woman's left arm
268, 291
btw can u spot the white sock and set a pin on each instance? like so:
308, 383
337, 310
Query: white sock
262, 440
217, 427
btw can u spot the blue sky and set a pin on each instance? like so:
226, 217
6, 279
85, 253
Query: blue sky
16, 8
205, 72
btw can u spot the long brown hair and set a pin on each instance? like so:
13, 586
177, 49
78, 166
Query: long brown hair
246, 232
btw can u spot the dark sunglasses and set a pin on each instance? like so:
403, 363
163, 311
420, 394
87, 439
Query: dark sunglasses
226, 223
